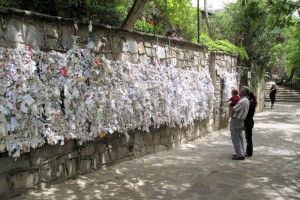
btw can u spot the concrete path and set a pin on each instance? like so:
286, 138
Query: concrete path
203, 169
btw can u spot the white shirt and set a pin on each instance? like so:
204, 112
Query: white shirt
241, 108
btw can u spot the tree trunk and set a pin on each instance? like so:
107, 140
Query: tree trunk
290, 78
133, 14
206, 19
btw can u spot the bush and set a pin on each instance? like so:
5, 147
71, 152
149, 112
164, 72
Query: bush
224, 46
146, 27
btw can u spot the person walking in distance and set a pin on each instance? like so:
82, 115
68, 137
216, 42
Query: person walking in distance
249, 123
272, 94
240, 111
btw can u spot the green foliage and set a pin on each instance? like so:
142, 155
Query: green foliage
46, 7
283, 11
224, 46
111, 12
291, 48
170, 14
146, 27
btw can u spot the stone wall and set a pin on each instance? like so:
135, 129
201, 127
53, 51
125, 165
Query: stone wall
52, 164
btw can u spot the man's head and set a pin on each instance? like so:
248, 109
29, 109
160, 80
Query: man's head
244, 91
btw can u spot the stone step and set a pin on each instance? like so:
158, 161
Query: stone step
284, 94
283, 100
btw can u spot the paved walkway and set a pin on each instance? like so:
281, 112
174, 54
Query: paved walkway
203, 169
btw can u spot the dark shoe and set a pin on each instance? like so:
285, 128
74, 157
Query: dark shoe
238, 158
234, 155
248, 155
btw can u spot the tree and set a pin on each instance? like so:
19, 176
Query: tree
111, 12
291, 48
133, 14
206, 19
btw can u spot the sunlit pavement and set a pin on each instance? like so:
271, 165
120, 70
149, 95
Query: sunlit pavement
203, 169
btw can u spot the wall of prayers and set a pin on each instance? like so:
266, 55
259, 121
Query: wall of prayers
74, 97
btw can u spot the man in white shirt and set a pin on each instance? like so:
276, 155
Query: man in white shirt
239, 111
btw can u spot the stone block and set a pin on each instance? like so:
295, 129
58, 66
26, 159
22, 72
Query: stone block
24, 180
60, 170
104, 158
148, 138
66, 39
9, 163
85, 165
160, 147
122, 151
87, 150
41, 155
180, 55
58, 150
144, 59
125, 56
123, 159
58, 180
13, 31
138, 141
47, 171
175, 137
70, 155
5, 189
112, 150
116, 39
141, 48
188, 56
117, 47
100, 146
147, 44
149, 149
96, 162
196, 61
161, 52
156, 137
72, 168
135, 58
132, 45
150, 51
124, 46
184, 141
34, 35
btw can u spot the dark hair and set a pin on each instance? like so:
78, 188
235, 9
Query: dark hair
235, 92
252, 97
